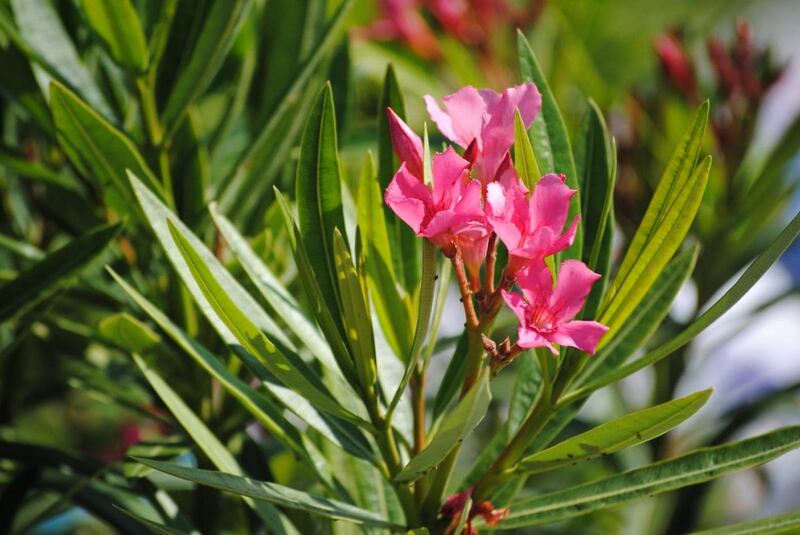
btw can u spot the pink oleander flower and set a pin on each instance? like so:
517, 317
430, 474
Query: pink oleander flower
546, 314
530, 226
450, 215
487, 118
406, 143
401, 19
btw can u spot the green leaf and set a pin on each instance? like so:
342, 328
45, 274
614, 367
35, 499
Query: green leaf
48, 44
119, 28
355, 314
209, 444
774, 525
695, 467
402, 240
263, 409
645, 319
126, 331
754, 271
453, 378
596, 158
157, 215
310, 284
319, 196
424, 307
524, 159
666, 222
282, 302
620, 433
277, 494
46, 277
259, 161
101, 152
292, 372
209, 52
550, 138
155, 526
464, 417
392, 305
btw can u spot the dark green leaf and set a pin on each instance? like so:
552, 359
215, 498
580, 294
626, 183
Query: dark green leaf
773, 525
50, 274
118, 26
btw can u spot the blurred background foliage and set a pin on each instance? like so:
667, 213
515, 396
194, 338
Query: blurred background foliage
210, 102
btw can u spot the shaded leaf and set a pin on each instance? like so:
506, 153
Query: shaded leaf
118, 26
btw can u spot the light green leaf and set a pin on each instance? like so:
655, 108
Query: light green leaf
550, 138
455, 425
118, 26
620, 433
292, 372
695, 467
215, 40
49, 275
615, 349
753, 272
425, 305
216, 452
100, 151
282, 302
392, 304
355, 314
50, 46
319, 196
524, 159
157, 215
277, 494
126, 331
666, 222
774, 525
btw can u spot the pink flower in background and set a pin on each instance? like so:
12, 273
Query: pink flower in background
486, 117
546, 314
403, 20
530, 228
451, 215
406, 143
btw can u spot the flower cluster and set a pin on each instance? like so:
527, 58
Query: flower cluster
477, 198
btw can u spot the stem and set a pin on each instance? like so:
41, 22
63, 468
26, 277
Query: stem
147, 106
466, 292
418, 402
491, 263
497, 474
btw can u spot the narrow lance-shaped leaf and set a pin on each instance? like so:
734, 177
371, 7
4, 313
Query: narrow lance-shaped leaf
210, 445
127, 332
550, 138
356, 316
773, 525
215, 40
50, 274
392, 305
274, 493
319, 196
524, 158
667, 220
695, 467
623, 432
294, 373
753, 272
98, 149
119, 28
464, 417
402, 241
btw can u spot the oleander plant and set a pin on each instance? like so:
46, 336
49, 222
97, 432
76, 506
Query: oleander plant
221, 314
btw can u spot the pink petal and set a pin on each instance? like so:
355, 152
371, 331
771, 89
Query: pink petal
536, 283
530, 338
503, 211
549, 203
473, 247
463, 120
585, 335
449, 171
575, 281
408, 198
518, 305
470, 202
442, 226
407, 144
